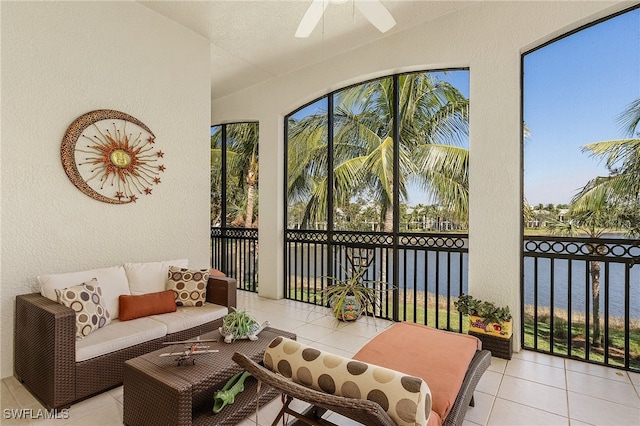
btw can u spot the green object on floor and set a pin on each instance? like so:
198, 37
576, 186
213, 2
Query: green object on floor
227, 395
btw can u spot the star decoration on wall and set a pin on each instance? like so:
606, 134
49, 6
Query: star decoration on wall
111, 156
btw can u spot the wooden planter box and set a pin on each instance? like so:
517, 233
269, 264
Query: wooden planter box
499, 346
496, 338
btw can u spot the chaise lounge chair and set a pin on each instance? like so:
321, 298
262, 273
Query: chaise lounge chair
450, 364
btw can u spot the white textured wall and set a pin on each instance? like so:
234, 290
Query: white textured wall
489, 38
59, 61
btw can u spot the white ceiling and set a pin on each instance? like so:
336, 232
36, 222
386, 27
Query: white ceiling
253, 40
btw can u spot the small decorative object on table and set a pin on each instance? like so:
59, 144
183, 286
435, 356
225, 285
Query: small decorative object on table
241, 325
227, 395
192, 348
488, 322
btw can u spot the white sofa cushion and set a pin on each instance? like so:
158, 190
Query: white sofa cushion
187, 317
150, 277
119, 335
112, 280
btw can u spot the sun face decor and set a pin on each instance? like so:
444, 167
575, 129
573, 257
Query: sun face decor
111, 157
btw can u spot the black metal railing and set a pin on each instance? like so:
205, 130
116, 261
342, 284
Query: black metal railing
418, 275
427, 272
234, 251
581, 299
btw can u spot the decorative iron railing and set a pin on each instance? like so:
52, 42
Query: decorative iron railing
581, 299
418, 275
234, 251
429, 271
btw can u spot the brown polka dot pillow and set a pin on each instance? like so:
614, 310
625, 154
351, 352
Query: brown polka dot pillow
87, 301
189, 285
406, 399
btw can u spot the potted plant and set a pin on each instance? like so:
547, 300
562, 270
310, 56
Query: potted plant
239, 324
485, 317
351, 296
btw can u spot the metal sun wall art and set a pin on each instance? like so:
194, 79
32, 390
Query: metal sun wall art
111, 157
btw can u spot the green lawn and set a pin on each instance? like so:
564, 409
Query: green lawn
560, 338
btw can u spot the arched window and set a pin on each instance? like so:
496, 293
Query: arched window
368, 168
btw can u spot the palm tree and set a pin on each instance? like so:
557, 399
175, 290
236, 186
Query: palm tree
415, 219
242, 170
622, 158
593, 223
307, 166
608, 203
216, 179
433, 119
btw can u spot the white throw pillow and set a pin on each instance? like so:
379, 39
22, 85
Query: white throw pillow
150, 277
112, 280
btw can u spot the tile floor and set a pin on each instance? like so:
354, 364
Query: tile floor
530, 389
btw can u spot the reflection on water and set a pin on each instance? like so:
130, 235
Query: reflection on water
612, 284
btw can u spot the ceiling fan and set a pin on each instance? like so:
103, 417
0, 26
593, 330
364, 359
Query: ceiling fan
373, 10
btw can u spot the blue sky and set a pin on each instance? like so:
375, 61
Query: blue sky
574, 90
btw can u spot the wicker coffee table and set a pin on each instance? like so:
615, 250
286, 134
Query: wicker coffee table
159, 392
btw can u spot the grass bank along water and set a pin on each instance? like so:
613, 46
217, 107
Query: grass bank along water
426, 308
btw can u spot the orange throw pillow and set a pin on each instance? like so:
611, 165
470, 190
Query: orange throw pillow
216, 273
132, 307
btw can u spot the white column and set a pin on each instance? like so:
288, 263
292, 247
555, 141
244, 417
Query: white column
271, 228
495, 195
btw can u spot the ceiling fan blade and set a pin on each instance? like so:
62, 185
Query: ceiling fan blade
311, 18
376, 13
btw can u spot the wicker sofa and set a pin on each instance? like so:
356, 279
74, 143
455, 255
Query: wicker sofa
60, 369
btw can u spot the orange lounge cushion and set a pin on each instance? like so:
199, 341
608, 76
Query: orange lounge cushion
434, 419
132, 307
440, 358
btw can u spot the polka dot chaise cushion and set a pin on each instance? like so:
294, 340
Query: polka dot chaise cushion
406, 399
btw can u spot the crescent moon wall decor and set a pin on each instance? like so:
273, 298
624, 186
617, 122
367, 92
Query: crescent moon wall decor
110, 156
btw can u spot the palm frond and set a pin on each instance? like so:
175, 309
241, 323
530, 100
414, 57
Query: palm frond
629, 119
445, 175
619, 154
